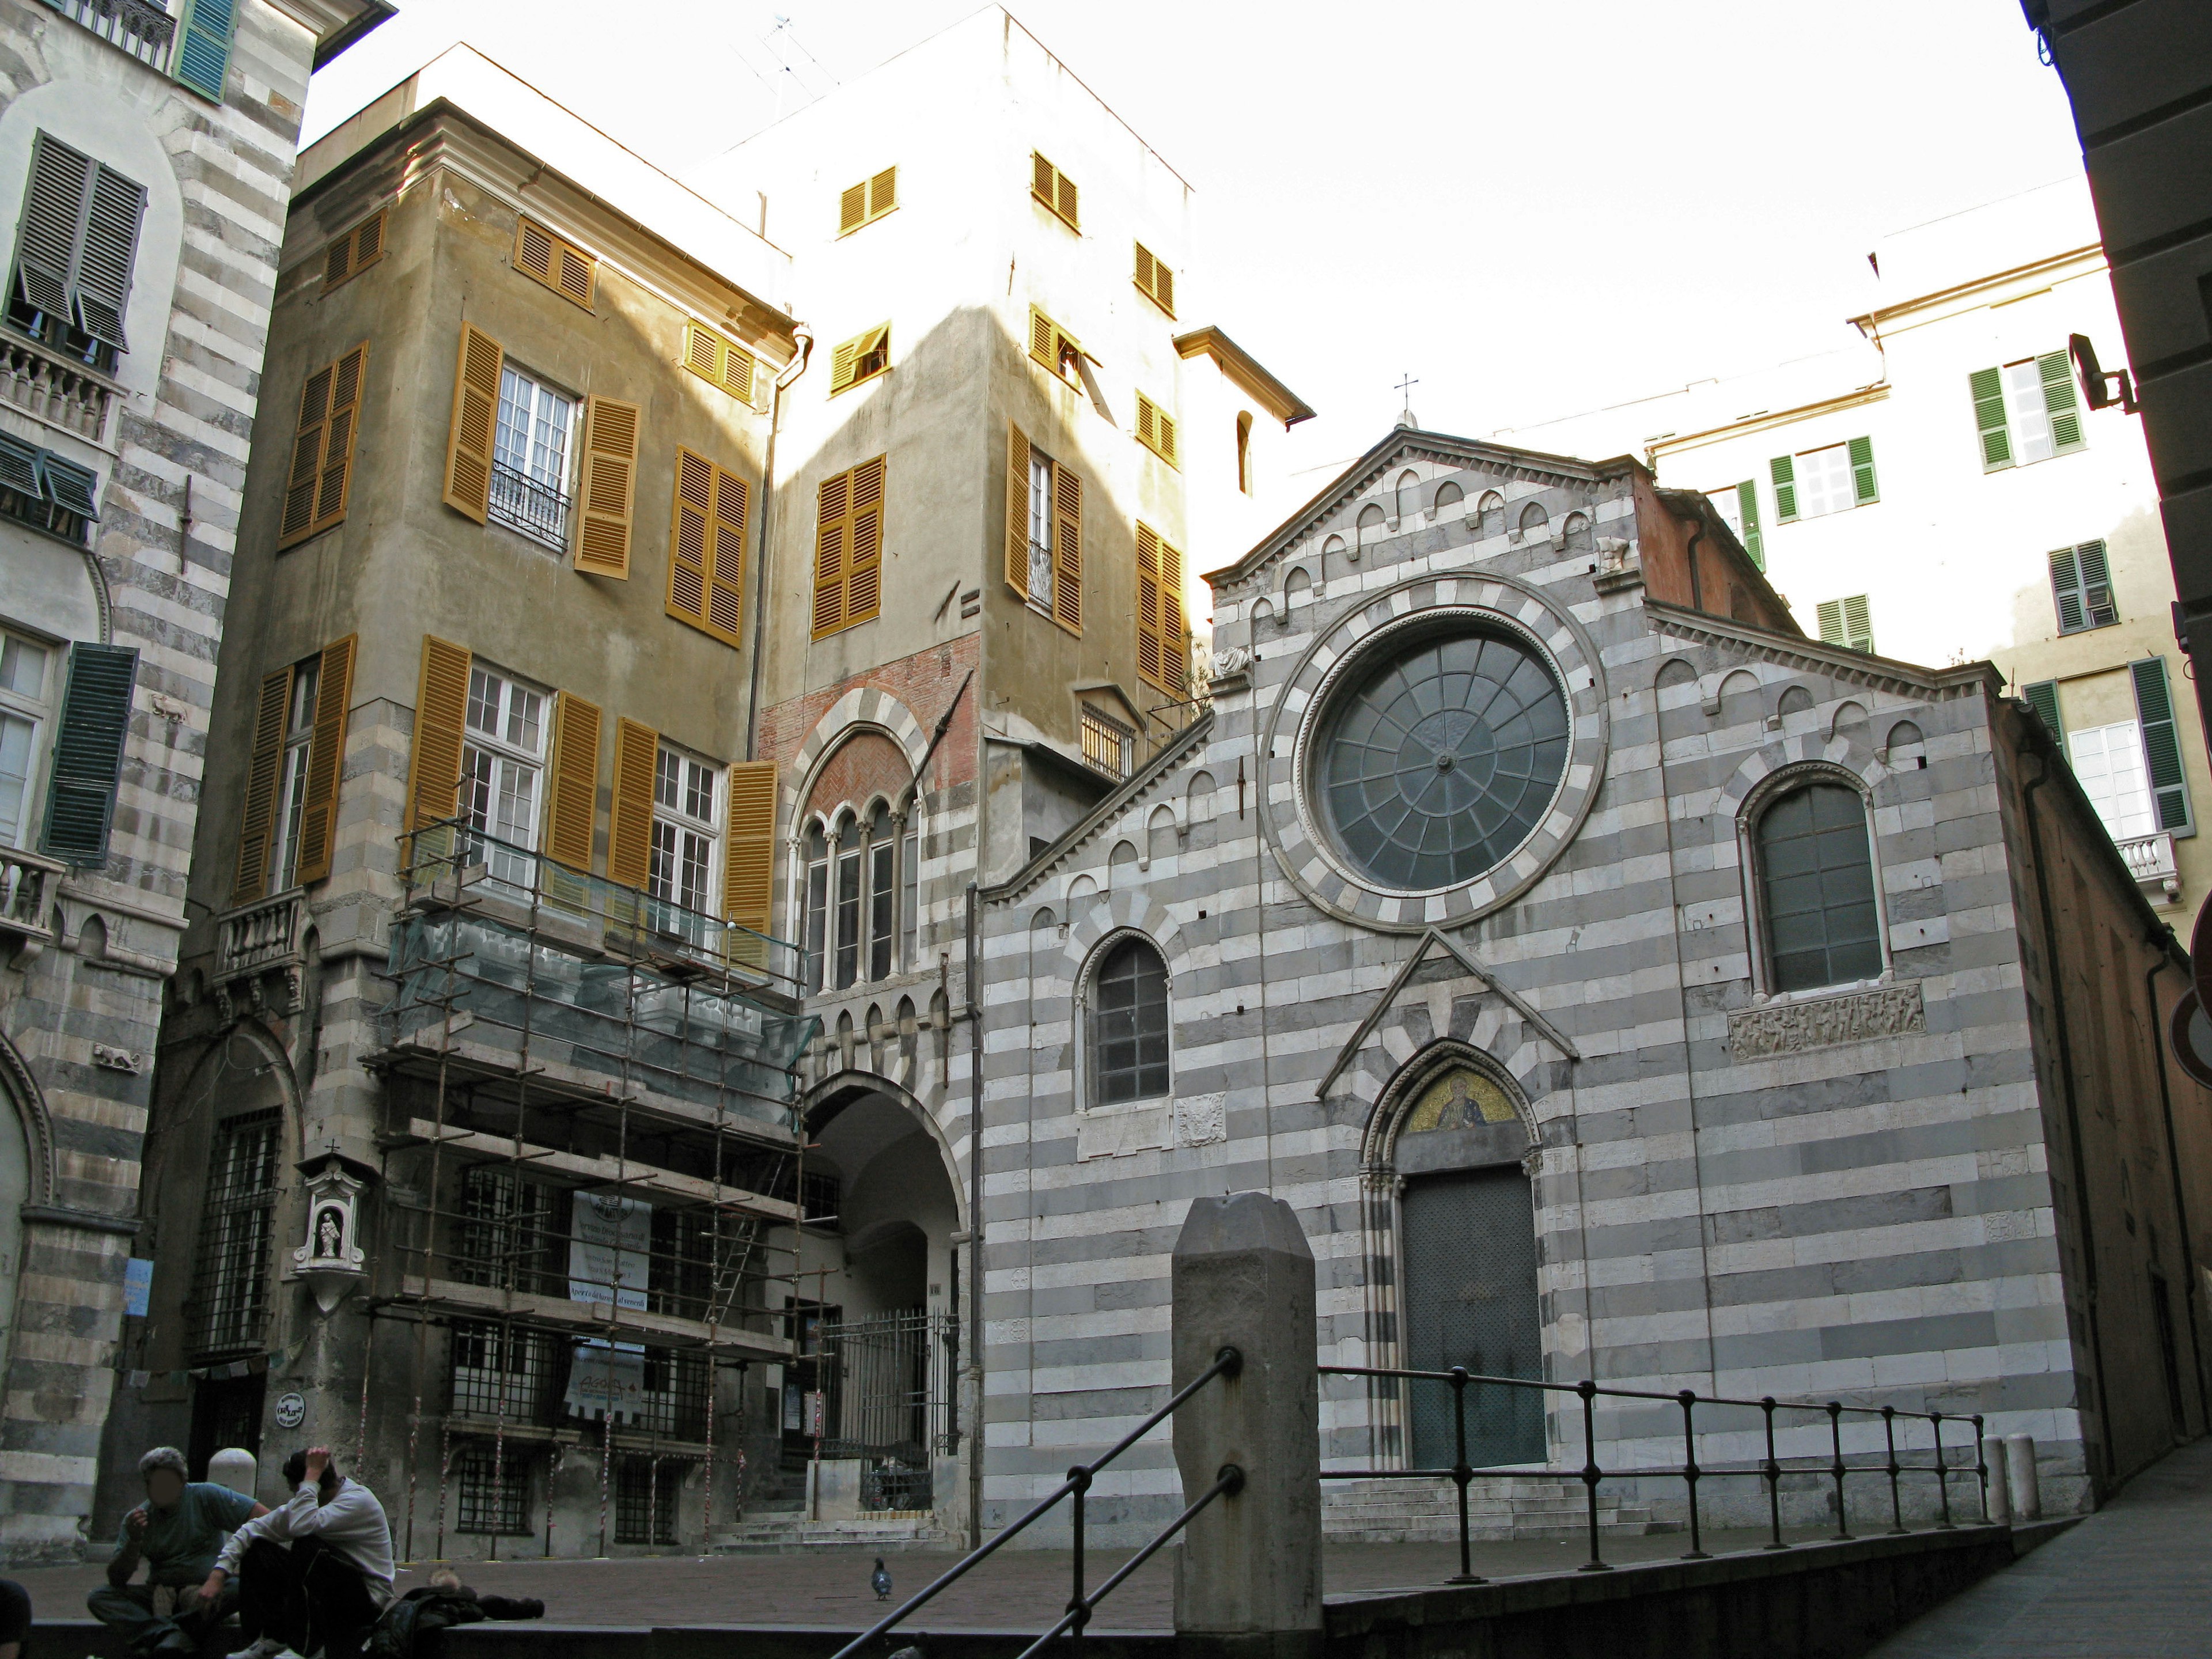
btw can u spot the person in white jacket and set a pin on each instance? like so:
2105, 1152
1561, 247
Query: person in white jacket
315, 1573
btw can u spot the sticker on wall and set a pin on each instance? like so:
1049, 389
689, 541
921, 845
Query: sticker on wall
138, 1287
291, 1409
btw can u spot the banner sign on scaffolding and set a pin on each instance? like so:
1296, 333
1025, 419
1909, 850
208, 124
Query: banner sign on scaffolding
609, 1243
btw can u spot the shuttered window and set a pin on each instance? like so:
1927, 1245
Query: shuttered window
1155, 430
2161, 742
555, 261
724, 362
1163, 639
1054, 347
1738, 506
707, 547
1055, 190
608, 487
203, 46
1814, 483
1155, 279
316, 837
2026, 411
748, 859
1847, 623
441, 702
848, 547
468, 439
1044, 532
75, 250
2042, 696
861, 358
2081, 588
867, 201
629, 829
572, 800
321, 479
288, 822
256, 826
349, 255
88, 752
41, 488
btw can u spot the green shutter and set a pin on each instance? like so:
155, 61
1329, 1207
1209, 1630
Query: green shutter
1858, 624
2096, 585
1747, 506
1863, 488
87, 756
2066, 590
2059, 400
2043, 697
1987, 385
1784, 473
2161, 743
1831, 621
203, 46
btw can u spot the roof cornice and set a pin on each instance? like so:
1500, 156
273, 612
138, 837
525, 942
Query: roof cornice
1764, 420
2092, 254
1240, 365
1857, 667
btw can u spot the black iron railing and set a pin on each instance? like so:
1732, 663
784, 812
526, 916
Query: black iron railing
1228, 1481
525, 503
1691, 1472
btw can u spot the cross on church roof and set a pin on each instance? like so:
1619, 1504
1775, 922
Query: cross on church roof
1405, 390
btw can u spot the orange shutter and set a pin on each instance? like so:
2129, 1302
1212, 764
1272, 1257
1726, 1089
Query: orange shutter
475, 405
749, 856
610, 480
1148, 603
256, 826
1175, 636
832, 531
726, 569
1017, 510
1067, 550
299, 521
573, 804
555, 261
335, 478
441, 700
687, 539
318, 810
883, 193
629, 830
853, 208
864, 563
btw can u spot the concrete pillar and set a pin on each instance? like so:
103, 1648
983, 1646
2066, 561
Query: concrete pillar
1993, 1458
1248, 1577
234, 1467
2019, 1469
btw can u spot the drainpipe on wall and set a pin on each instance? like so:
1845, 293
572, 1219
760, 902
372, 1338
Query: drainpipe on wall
2158, 942
975, 1222
805, 339
2085, 1222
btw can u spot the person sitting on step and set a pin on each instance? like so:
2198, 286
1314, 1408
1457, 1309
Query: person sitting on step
315, 1574
178, 1532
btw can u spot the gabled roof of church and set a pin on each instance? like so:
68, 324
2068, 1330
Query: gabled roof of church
1402, 444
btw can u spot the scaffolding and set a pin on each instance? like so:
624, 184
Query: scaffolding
593, 1171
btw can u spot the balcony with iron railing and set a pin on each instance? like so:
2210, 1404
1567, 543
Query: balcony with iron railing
536, 509
140, 27
47, 387
2151, 861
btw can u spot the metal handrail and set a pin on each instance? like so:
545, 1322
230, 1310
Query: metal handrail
1227, 1363
1769, 1469
530, 505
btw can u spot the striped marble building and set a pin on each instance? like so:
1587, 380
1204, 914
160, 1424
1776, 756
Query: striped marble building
145, 157
1619, 984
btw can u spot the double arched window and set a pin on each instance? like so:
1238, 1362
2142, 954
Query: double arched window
1814, 870
1128, 1024
861, 876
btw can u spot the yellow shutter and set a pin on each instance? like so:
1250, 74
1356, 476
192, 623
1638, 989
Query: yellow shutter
1175, 633
555, 261
841, 366
1017, 510
609, 480
853, 208
442, 702
1041, 339
334, 479
711, 357
1067, 550
629, 830
256, 825
1148, 603
476, 406
864, 559
687, 537
1167, 429
572, 805
299, 521
1156, 281
349, 255
831, 504
883, 193
1147, 422
1041, 177
1065, 205
726, 566
318, 810
749, 858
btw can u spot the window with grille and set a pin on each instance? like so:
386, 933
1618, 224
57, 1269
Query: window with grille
645, 1500
1106, 743
492, 1487
530, 458
1816, 882
1129, 1026
508, 1238
501, 1372
230, 1287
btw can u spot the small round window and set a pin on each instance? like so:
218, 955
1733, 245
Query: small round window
1439, 758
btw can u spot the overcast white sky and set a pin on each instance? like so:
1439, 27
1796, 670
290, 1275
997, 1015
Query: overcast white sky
1535, 208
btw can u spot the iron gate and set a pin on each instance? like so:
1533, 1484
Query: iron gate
888, 1401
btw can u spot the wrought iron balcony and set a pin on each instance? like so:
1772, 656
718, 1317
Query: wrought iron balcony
521, 502
141, 27
26, 884
51, 388
2150, 860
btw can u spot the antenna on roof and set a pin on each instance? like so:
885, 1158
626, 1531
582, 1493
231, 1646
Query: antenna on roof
1404, 396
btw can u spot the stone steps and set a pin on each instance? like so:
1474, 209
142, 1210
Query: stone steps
788, 1532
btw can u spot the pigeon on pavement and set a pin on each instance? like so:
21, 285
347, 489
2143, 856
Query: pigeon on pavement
880, 1582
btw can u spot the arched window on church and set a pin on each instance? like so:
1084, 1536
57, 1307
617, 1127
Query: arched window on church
815, 853
1815, 875
1129, 1058
1370, 527
1409, 498
1467, 1226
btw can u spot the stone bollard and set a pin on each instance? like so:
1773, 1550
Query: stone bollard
1247, 1576
234, 1467
2019, 1469
1993, 1459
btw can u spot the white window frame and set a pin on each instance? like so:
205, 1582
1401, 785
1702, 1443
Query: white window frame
2028, 416
1803, 472
36, 711
543, 453
507, 762
2108, 790
678, 827
291, 772
1042, 470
